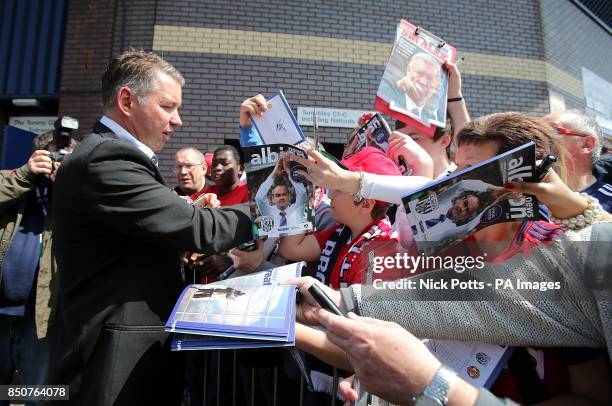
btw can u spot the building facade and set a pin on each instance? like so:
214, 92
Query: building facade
524, 55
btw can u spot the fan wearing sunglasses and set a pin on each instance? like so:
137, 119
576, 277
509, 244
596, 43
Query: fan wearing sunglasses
583, 139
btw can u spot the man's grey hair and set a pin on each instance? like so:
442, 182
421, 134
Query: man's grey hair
138, 71
198, 153
581, 122
423, 58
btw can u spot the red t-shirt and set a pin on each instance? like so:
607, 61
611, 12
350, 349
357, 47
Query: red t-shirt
530, 235
240, 194
381, 244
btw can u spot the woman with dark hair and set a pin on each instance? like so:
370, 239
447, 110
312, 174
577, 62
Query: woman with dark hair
510, 243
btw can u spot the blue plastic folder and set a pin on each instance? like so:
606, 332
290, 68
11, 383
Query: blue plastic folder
245, 312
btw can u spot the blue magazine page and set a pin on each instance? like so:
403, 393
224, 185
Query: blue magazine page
186, 342
252, 306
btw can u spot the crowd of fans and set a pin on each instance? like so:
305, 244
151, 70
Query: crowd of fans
92, 320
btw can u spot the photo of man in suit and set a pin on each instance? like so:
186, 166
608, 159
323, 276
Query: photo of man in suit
417, 91
454, 212
119, 231
283, 211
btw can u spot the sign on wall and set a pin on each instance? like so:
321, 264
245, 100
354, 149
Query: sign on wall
327, 117
37, 125
557, 101
598, 96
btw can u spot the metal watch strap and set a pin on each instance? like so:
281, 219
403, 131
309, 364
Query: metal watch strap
436, 393
358, 197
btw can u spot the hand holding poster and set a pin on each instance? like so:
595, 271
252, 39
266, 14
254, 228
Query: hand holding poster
374, 132
414, 86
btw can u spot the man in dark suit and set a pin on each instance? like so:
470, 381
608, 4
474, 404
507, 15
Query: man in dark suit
118, 234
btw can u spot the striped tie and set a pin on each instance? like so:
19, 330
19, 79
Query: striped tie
283, 223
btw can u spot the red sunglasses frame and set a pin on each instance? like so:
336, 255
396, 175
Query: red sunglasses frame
565, 131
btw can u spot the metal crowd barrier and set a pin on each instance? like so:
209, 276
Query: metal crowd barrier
249, 389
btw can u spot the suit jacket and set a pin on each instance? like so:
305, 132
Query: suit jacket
118, 231
394, 93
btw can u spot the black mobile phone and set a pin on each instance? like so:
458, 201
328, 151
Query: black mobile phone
324, 301
547, 163
248, 246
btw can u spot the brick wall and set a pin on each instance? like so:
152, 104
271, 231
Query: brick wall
321, 53
97, 30
332, 54
88, 46
572, 40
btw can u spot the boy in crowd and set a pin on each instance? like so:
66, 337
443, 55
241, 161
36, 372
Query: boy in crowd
437, 147
226, 170
344, 250
359, 223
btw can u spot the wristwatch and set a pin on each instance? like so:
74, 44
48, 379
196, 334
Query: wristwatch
357, 196
436, 393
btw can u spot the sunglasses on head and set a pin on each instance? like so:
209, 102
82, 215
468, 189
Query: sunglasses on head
565, 131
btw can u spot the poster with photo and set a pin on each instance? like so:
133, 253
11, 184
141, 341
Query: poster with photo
280, 198
445, 212
414, 85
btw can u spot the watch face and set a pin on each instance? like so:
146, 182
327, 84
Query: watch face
436, 392
427, 401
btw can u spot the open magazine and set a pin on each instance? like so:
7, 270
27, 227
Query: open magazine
280, 198
244, 312
445, 212
414, 86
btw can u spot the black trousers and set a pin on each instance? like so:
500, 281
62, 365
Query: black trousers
129, 365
